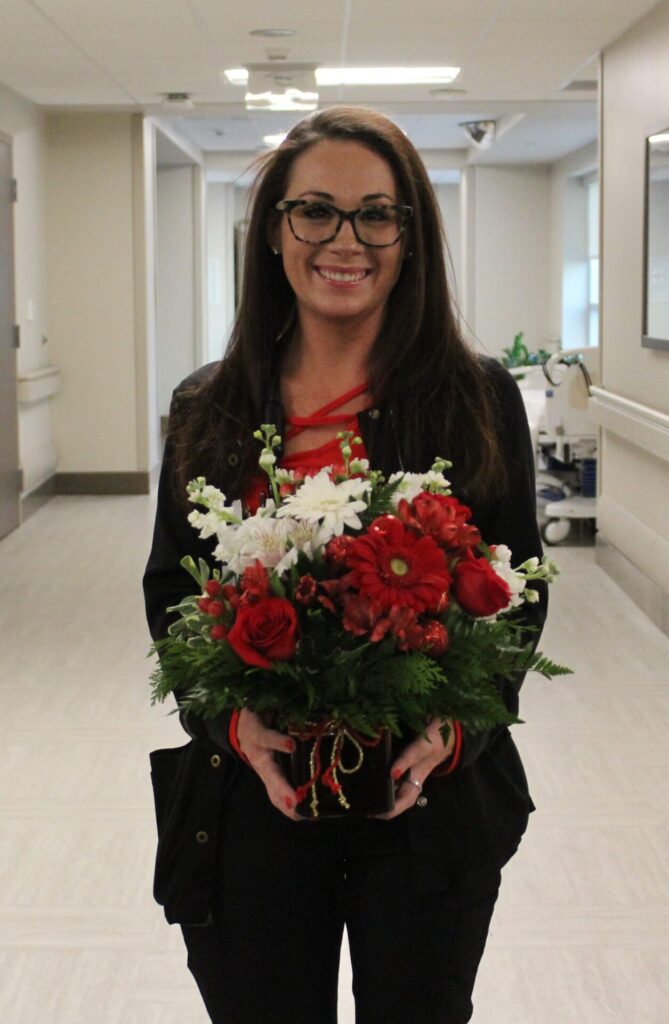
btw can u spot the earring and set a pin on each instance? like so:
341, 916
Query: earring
277, 252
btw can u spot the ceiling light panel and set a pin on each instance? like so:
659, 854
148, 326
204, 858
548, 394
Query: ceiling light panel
386, 76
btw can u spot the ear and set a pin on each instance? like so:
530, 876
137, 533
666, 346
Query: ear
273, 236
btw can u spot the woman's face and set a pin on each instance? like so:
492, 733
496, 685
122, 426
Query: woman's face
342, 279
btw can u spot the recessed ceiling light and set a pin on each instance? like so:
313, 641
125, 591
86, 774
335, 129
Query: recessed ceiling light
237, 76
290, 99
386, 76
273, 33
274, 140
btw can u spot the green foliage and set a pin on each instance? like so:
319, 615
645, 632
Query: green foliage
518, 354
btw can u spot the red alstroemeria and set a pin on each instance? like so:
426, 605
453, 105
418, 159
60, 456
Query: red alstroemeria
255, 583
393, 566
440, 516
305, 591
338, 549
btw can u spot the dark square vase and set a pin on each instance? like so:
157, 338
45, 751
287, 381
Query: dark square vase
340, 774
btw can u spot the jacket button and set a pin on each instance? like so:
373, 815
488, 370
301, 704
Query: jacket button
215, 761
233, 459
202, 837
374, 414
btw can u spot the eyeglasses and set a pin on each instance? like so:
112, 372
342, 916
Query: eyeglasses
316, 222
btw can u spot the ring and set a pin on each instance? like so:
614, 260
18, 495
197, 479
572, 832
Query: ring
418, 785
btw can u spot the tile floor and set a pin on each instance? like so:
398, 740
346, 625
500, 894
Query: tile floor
581, 934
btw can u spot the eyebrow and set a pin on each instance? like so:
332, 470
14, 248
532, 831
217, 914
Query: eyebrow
365, 199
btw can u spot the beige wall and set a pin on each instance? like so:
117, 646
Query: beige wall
634, 479
506, 259
99, 203
25, 123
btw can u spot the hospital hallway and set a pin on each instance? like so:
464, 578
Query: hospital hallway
581, 933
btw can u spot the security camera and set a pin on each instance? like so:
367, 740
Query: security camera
481, 133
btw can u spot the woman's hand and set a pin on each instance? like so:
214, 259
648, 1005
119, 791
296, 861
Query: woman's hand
418, 759
257, 743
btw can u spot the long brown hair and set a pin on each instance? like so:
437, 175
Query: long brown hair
420, 361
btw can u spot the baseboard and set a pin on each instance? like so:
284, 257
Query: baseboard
33, 501
103, 483
643, 591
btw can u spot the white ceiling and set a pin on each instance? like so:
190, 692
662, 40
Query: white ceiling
518, 59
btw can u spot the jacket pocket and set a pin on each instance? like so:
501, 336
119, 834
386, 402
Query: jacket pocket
189, 785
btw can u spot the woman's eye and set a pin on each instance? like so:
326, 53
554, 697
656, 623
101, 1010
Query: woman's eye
376, 213
317, 211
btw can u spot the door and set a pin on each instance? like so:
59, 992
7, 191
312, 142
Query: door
9, 441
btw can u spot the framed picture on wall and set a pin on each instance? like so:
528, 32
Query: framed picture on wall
655, 331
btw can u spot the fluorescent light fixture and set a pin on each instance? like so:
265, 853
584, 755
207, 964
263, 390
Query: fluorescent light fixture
237, 76
385, 76
291, 99
274, 140
662, 137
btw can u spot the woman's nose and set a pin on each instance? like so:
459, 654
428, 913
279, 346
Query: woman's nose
345, 238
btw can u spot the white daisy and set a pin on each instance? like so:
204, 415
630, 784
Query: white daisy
320, 500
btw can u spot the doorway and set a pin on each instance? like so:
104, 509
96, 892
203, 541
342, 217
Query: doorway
10, 486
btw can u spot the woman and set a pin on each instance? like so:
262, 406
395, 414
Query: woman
345, 311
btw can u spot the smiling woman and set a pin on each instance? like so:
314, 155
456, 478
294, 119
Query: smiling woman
345, 310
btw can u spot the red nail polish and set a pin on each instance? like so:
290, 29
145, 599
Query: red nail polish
395, 773
289, 802
289, 746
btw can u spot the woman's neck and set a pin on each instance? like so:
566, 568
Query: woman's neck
333, 358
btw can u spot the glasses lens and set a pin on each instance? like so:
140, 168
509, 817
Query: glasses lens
379, 225
314, 222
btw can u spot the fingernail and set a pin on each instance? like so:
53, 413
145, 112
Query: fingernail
289, 802
396, 772
289, 746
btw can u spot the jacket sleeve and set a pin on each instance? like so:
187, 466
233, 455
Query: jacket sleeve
512, 520
166, 583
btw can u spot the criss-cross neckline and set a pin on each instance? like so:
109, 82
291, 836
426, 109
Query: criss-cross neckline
322, 417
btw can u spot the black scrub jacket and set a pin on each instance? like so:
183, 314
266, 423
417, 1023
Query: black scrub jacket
474, 818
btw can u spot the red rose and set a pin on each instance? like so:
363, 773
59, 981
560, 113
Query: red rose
264, 630
478, 589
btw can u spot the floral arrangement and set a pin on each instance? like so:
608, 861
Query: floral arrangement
348, 599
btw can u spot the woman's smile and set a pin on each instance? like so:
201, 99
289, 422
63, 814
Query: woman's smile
342, 277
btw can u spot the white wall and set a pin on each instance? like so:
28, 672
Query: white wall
635, 445
26, 124
448, 197
506, 218
176, 348
220, 263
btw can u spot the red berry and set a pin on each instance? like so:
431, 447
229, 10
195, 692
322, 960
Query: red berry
213, 588
218, 631
215, 609
203, 604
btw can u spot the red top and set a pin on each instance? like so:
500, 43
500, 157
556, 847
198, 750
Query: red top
311, 460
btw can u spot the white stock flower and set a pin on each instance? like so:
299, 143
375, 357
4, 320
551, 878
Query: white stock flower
501, 563
320, 499
412, 484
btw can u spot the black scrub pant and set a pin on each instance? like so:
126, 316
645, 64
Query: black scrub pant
286, 892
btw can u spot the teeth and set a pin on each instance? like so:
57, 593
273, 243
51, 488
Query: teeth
338, 276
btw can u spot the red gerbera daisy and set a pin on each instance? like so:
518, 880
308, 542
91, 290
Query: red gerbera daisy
393, 566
